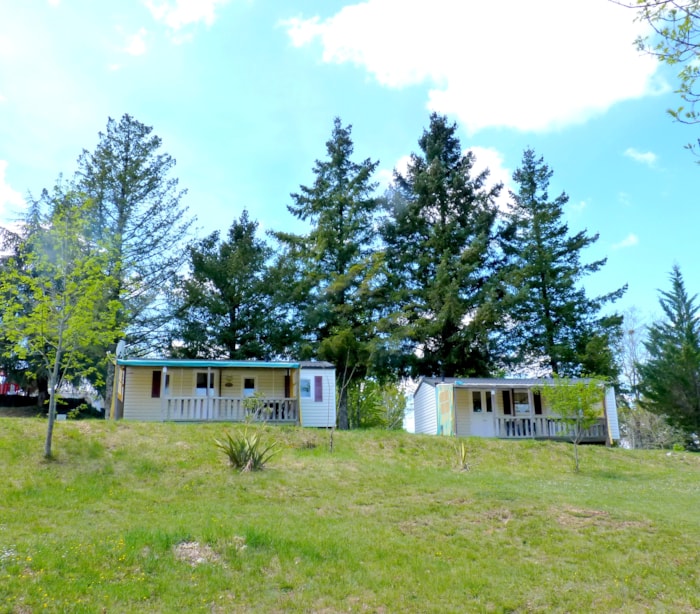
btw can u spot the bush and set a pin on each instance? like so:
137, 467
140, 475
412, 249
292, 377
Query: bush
246, 450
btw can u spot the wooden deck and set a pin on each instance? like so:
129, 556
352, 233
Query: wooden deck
545, 427
227, 409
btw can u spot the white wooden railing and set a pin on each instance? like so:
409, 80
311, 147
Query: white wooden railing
509, 427
226, 409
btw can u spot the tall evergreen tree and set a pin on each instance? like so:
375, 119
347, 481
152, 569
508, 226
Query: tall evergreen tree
332, 266
225, 306
137, 210
670, 378
549, 319
438, 237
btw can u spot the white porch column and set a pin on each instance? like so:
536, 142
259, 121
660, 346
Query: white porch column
164, 393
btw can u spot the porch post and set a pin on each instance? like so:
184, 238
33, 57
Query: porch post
208, 414
494, 411
164, 393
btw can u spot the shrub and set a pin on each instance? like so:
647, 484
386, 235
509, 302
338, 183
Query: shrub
247, 450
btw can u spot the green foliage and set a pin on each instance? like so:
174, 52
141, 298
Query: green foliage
670, 378
646, 430
136, 212
577, 402
674, 42
374, 404
331, 270
57, 302
224, 306
247, 450
438, 236
548, 318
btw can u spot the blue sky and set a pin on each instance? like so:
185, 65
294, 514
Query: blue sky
244, 92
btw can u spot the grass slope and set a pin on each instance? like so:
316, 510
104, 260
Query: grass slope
149, 518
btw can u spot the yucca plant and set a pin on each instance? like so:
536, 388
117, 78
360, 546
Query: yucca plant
463, 460
247, 450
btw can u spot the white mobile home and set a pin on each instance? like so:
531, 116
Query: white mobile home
224, 390
504, 408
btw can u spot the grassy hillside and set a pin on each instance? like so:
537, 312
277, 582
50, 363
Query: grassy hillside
149, 518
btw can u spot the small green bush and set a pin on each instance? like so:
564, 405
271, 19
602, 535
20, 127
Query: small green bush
247, 450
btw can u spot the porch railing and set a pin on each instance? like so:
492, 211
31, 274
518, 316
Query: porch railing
545, 427
227, 409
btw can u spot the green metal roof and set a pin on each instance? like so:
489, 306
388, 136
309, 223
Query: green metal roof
218, 364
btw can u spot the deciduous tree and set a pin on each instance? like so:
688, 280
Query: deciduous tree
676, 42
578, 403
56, 303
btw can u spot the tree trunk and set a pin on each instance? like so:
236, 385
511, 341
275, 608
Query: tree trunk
52, 417
343, 424
109, 391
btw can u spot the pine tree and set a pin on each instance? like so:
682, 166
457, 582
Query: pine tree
670, 378
332, 266
548, 320
136, 209
438, 237
225, 306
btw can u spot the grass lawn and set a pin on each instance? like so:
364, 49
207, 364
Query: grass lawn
137, 517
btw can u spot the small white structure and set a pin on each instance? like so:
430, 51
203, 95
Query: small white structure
224, 390
505, 408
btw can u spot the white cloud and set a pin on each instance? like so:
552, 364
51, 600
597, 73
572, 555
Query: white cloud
176, 14
9, 197
385, 176
488, 157
629, 241
536, 65
54, 2
624, 199
578, 207
136, 43
645, 157
484, 158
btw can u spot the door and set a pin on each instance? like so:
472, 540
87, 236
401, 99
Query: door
481, 419
201, 389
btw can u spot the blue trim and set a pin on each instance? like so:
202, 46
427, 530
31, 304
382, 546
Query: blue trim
219, 364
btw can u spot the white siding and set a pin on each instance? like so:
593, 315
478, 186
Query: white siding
319, 413
138, 404
425, 409
611, 414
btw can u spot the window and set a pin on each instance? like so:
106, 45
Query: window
305, 388
201, 389
537, 400
318, 388
248, 387
489, 403
476, 402
521, 402
155, 385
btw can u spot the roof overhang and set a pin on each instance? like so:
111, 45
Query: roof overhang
204, 364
